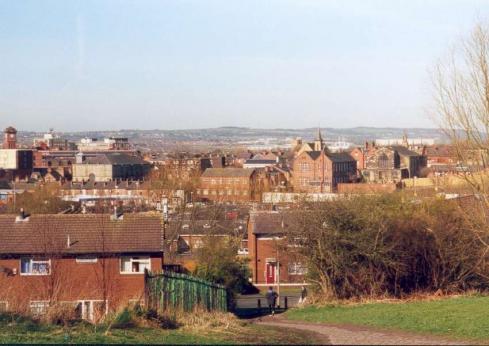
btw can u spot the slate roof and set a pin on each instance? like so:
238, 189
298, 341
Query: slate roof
440, 151
228, 172
253, 161
340, 157
114, 159
335, 157
41, 234
404, 151
271, 222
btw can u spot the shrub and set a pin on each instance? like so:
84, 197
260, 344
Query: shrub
61, 314
124, 319
388, 246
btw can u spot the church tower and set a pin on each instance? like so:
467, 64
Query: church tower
10, 138
318, 142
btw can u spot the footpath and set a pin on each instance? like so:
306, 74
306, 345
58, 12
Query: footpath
357, 335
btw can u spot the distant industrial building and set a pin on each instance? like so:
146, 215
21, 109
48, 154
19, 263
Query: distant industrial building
108, 167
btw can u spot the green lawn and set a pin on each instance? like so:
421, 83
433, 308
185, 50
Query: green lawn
463, 317
29, 332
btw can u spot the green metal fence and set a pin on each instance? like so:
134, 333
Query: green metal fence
175, 291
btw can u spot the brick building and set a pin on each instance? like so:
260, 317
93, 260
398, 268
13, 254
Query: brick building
392, 164
91, 263
230, 184
321, 171
272, 260
316, 169
109, 166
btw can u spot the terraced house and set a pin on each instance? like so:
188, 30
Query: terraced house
90, 263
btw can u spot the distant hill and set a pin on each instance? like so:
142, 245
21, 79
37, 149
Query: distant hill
231, 134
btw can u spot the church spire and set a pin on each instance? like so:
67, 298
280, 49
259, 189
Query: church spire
318, 142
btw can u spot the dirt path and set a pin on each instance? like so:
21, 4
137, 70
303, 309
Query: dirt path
355, 335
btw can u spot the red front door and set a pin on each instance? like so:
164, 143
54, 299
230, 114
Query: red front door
270, 273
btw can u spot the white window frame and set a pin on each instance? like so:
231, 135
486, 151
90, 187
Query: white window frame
32, 261
6, 305
296, 268
35, 304
86, 259
133, 259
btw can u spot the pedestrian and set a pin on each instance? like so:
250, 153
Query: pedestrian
271, 300
303, 295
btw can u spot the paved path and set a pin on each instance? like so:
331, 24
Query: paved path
355, 335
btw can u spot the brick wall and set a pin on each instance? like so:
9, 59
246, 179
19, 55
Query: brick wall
70, 281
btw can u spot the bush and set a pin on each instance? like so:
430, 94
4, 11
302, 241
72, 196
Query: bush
125, 319
366, 247
218, 263
61, 314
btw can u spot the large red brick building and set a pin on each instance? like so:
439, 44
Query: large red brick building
317, 170
91, 263
322, 171
229, 184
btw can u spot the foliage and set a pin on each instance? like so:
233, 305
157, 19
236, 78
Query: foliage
218, 262
464, 317
42, 200
373, 246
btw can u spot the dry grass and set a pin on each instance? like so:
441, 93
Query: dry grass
203, 320
318, 300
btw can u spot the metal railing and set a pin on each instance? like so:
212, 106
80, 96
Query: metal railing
175, 291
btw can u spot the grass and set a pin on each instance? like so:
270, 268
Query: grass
24, 330
461, 317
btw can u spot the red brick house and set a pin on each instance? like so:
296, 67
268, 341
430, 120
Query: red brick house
272, 258
92, 263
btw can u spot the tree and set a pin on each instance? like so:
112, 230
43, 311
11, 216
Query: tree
461, 92
218, 262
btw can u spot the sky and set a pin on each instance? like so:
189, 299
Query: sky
179, 64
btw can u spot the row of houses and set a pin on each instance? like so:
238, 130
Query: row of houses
95, 263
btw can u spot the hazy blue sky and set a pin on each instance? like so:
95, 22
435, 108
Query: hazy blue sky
169, 64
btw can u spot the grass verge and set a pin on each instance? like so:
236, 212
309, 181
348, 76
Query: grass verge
205, 331
460, 317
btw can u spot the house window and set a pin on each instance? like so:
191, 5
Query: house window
136, 265
3, 306
297, 268
39, 307
86, 259
35, 266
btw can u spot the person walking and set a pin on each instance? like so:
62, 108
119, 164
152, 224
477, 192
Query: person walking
302, 299
271, 297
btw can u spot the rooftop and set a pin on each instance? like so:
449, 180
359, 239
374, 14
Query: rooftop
228, 172
87, 234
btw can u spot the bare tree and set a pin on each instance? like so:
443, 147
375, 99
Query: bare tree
461, 88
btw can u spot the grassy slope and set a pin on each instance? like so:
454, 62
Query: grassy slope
463, 317
251, 334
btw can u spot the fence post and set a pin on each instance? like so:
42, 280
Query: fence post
259, 303
286, 303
